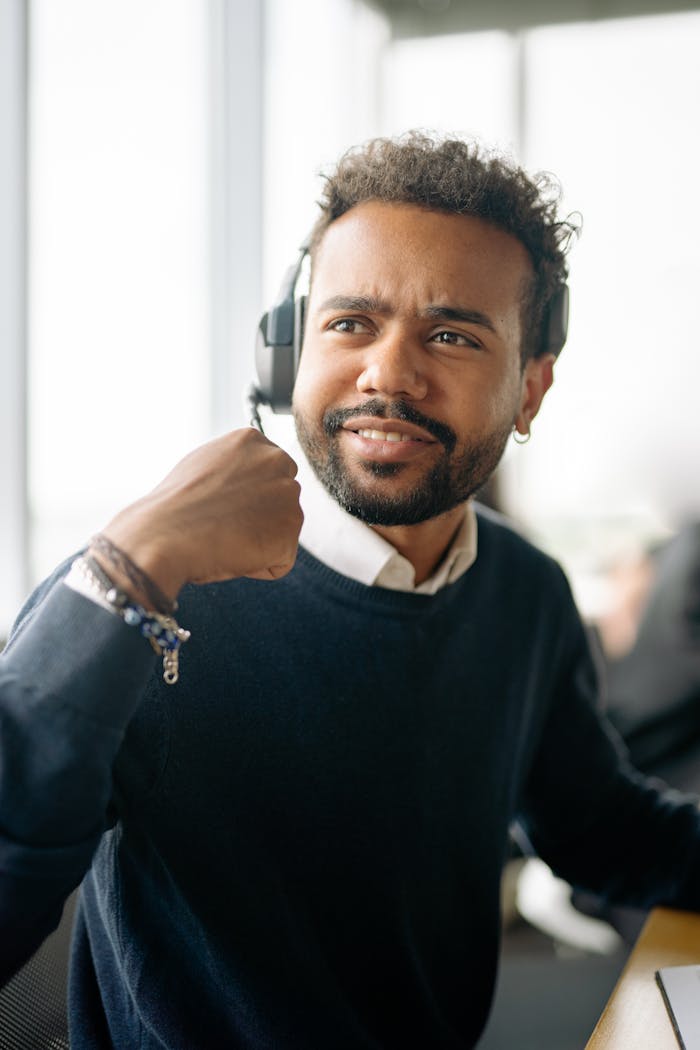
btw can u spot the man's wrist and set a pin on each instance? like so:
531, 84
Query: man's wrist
139, 570
164, 633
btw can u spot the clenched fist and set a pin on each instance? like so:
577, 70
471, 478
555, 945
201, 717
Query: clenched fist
230, 508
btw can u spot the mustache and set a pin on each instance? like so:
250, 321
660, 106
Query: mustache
335, 418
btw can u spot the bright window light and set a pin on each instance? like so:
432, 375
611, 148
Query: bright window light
118, 257
464, 84
612, 109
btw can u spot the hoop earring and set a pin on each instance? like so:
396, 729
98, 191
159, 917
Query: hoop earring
521, 439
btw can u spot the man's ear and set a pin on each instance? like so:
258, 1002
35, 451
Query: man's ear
538, 376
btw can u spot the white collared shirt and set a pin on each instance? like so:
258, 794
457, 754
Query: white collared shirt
348, 546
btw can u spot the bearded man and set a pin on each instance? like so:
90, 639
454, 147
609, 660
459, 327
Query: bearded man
292, 836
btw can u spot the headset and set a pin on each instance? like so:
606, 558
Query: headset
278, 342
281, 333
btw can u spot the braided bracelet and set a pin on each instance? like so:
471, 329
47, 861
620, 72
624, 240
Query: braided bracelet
162, 631
121, 560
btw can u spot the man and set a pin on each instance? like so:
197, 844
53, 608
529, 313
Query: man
299, 844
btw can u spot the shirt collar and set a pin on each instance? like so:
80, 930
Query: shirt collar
348, 546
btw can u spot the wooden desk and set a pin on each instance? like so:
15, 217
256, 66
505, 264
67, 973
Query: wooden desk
635, 1017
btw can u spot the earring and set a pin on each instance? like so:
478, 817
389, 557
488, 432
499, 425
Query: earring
521, 439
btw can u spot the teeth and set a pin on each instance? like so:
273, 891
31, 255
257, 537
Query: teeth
383, 435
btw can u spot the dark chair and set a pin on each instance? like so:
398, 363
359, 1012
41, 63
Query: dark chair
33, 1004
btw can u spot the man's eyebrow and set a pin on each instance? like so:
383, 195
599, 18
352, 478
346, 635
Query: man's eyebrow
371, 305
458, 313
365, 303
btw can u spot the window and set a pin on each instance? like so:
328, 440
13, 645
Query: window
118, 321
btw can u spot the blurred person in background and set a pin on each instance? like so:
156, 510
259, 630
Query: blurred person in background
649, 642
651, 645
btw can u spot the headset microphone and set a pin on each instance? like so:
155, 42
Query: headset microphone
251, 402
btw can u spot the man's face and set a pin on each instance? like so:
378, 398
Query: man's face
410, 378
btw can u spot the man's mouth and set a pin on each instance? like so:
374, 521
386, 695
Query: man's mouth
388, 430
386, 435
386, 441
389, 423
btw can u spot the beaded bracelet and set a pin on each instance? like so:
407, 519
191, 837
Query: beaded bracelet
162, 631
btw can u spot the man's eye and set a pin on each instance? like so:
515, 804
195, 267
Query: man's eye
349, 325
454, 339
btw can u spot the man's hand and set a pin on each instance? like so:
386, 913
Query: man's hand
230, 508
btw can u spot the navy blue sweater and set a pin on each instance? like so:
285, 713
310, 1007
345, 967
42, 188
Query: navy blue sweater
299, 845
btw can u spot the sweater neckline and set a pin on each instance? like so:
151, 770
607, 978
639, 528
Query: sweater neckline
381, 597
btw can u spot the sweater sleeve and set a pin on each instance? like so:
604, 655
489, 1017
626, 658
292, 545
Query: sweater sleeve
71, 677
595, 820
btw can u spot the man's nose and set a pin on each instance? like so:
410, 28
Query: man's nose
394, 366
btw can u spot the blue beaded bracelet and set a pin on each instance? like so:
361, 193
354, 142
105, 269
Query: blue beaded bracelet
163, 632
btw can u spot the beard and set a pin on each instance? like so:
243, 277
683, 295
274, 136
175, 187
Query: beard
456, 476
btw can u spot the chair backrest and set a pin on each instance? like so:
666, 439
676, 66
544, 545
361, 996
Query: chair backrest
33, 1004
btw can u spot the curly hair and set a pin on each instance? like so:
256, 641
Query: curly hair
461, 178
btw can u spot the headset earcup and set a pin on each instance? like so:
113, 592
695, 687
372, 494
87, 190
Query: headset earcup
275, 367
263, 362
556, 322
278, 342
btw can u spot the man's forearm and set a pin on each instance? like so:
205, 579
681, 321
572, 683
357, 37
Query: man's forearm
69, 683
